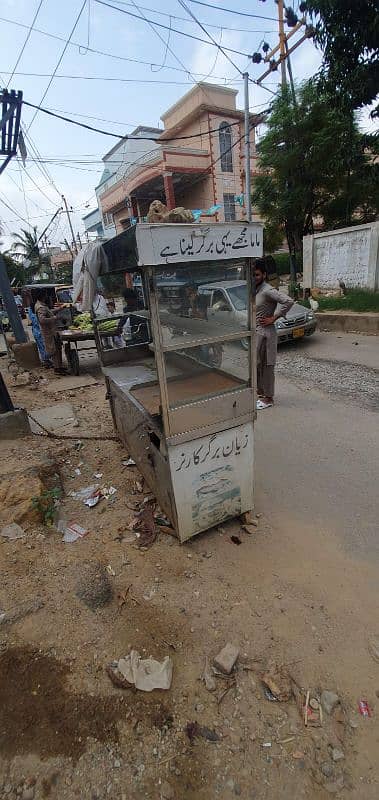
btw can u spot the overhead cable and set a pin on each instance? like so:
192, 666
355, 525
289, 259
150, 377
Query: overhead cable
200, 24
59, 60
166, 27
25, 42
233, 11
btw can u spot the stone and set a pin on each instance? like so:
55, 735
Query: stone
337, 754
167, 792
327, 769
14, 424
93, 586
28, 794
226, 658
335, 786
26, 355
329, 701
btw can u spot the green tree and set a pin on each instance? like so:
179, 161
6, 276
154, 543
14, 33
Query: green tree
15, 270
315, 164
347, 31
26, 244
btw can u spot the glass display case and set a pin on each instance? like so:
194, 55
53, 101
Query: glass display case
181, 376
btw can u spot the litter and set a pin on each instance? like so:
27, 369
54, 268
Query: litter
107, 493
98, 475
208, 677
235, 540
277, 681
77, 471
129, 463
71, 531
364, 708
194, 730
145, 674
13, 531
110, 571
84, 494
144, 524
94, 499
250, 529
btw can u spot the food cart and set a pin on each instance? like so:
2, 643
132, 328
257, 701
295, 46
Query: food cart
182, 388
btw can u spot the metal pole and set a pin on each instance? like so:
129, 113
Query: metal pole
288, 61
10, 304
247, 148
70, 224
282, 40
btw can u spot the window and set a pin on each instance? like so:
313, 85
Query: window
229, 208
225, 140
108, 218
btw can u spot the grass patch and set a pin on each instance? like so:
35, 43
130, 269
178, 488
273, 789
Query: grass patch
355, 300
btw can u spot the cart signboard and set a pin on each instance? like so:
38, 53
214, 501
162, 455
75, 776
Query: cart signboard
167, 244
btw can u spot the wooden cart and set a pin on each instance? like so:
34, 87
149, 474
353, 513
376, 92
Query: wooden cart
70, 341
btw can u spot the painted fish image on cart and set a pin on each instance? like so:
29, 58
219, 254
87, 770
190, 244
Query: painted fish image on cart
216, 497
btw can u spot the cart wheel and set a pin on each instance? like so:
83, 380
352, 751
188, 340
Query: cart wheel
74, 362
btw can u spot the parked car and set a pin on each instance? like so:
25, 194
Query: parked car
227, 300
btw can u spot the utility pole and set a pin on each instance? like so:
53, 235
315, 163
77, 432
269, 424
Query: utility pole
247, 148
80, 241
70, 224
10, 304
282, 42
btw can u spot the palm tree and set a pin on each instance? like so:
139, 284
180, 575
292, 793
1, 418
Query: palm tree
27, 246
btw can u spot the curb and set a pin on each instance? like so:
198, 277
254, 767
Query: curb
348, 322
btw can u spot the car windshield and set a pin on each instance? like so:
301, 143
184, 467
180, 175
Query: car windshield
238, 296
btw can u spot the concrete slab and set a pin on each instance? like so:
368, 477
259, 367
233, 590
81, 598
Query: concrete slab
14, 424
349, 321
70, 383
54, 418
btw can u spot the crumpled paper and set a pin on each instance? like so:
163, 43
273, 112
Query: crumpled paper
146, 674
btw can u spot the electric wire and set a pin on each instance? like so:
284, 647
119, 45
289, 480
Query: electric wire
232, 11
25, 43
59, 61
185, 19
160, 25
200, 24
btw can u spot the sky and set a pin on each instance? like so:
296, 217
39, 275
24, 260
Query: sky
112, 91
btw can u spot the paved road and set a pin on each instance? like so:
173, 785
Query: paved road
317, 450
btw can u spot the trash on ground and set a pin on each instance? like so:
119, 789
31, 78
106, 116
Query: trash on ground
248, 518
208, 677
329, 701
94, 499
269, 695
250, 529
364, 708
13, 531
139, 486
226, 658
71, 531
145, 674
85, 493
129, 463
195, 731
277, 681
373, 647
77, 471
20, 612
145, 525
98, 475
110, 571
107, 493
235, 540
298, 754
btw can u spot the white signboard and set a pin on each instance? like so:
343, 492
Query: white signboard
168, 244
212, 478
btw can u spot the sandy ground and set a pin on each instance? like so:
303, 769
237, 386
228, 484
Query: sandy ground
288, 594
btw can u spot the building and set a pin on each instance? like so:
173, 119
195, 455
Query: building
196, 161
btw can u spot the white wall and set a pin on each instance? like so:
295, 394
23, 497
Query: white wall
347, 254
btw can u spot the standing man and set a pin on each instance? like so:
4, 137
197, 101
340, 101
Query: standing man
270, 305
49, 329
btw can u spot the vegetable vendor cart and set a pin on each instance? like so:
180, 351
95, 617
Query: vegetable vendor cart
182, 389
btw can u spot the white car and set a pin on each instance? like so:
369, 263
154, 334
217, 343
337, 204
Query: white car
227, 301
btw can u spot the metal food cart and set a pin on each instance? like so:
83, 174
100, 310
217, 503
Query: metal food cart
182, 388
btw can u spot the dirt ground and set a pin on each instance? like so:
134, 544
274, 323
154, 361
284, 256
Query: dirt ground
66, 731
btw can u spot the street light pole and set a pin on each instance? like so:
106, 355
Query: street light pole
247, 148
